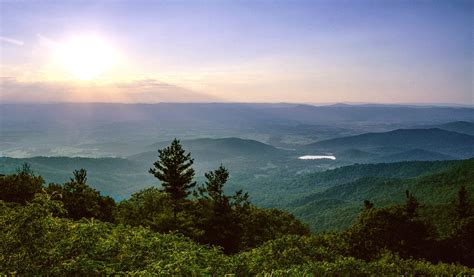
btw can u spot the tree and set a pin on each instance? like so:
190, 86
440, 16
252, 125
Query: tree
389, 228
80, 176
222, 221
461, 240
149, 207
82, 201
174, 171
368, 205
214, 189
25, 169
20, 187
411, 204
462, 203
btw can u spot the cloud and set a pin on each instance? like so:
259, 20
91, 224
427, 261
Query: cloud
13, 90
138, 91
12, 41
45, 41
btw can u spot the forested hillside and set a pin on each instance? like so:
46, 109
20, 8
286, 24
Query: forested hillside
188, 228
336, 207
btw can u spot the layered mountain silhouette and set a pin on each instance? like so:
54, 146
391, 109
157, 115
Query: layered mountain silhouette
421, 142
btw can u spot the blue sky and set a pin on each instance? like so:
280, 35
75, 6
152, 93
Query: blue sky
247, 51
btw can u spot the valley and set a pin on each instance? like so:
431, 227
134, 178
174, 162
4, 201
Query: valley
302, 175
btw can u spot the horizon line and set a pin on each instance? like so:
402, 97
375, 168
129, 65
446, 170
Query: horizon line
315, 104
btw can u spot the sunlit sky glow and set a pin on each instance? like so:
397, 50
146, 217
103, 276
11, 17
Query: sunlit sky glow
245, 51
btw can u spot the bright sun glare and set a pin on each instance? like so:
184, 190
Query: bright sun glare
86, 57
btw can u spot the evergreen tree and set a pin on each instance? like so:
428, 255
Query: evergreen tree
82, 201
368, 205
462, 203
222, 225
25, 169
214, 189
174, 171
411, 204
80, 176
20, 187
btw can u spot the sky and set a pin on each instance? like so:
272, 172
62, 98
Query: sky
381, 51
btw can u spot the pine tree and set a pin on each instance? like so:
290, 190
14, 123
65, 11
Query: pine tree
80, 176
214, 186
222, 227
174, 171
462, 203
368, 205
411, 204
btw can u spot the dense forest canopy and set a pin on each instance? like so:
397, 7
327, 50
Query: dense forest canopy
184, 228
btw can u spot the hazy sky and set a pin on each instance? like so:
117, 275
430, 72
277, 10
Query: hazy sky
247, 51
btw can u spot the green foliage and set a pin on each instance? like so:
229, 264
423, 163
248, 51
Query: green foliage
20, 187
157, 231
389, 228
411, 204
461, 242
82, 201
220, 216
213, 190
462, 203
336, 207
287, 251
35, 242
174, 171
150, 207
260, 225
227, 222
387, 266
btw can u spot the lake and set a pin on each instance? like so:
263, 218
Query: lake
317, 157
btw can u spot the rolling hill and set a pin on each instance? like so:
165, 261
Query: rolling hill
116, 177
336, 207
435, 140
464, 127
414, 155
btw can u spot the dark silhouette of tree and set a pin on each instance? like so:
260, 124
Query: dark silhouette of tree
462, 203
174, 171
391, 229
82, 201
460, 244
214, 189
222, 223
80, 176
20, 187
411, 204
25, 169
368, 205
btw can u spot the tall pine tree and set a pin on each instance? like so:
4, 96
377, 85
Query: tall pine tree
174, 170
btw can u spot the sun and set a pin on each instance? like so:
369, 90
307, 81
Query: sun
86, 57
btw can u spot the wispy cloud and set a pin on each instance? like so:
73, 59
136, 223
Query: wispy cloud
139, 91
11, 41
45, 41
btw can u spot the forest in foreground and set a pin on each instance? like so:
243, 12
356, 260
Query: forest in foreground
184, 228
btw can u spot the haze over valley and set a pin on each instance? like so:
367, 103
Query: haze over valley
260, 144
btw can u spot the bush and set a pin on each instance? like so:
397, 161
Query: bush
35, 242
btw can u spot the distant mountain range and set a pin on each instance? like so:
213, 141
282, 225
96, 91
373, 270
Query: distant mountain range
427, 144
464, 127
122, 130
